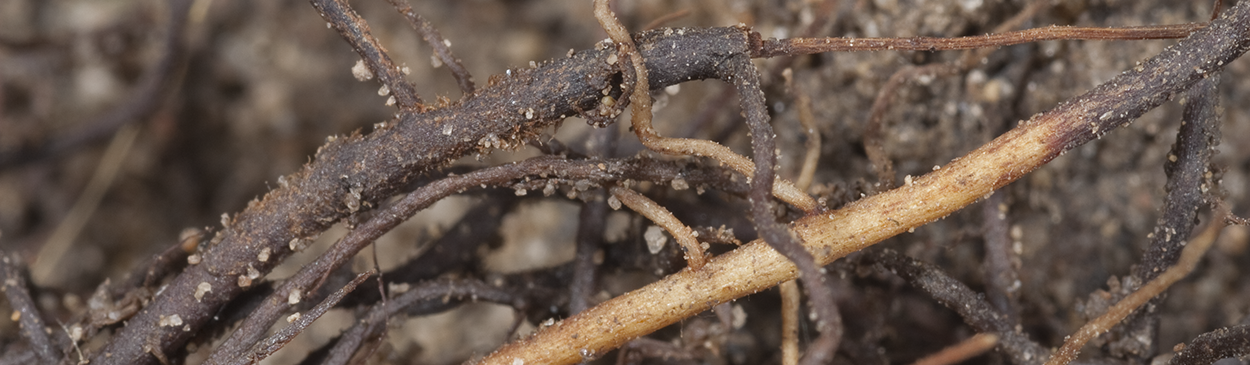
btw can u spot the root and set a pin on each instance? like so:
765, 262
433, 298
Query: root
662, 217
964, 350
1189, 259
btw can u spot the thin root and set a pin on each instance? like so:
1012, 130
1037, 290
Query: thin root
800, 46
961, 351
790, 297
442, 50
1189, 259
662, 217
808, 172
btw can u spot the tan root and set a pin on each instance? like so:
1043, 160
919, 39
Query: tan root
961, 351
665, 219
1189, 259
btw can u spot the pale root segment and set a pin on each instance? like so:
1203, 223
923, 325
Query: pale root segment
961, 351
1097, 326
790, 295
663, 218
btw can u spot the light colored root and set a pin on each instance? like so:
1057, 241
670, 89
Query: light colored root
964, 350
51, 256
783, 189
665, 219
808, 172
790, 295
1189, 259
790, 298
640, 118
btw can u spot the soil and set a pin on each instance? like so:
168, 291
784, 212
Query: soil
264, 83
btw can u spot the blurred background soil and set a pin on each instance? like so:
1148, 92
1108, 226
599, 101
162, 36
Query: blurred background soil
263, 83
